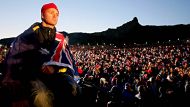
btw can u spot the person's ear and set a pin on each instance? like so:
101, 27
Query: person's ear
42, 16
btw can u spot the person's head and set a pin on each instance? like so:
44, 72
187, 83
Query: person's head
49, 15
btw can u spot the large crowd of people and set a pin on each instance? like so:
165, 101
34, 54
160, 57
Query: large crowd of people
139, 76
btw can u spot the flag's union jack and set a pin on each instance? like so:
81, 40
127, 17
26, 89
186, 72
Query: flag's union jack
61, 55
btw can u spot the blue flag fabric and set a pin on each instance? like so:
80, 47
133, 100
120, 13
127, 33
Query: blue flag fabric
61, 54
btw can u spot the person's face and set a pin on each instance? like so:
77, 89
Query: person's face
50, 16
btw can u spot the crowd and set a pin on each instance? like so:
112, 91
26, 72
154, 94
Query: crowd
138, 76
3, 51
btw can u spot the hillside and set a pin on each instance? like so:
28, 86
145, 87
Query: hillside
131, 32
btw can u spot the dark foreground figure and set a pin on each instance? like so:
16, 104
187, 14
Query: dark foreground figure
27, 84
57, 90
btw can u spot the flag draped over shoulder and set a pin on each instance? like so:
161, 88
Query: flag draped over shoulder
61, 54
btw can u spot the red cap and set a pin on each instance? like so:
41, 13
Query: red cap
47, 6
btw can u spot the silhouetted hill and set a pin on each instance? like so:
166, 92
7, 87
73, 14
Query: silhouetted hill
130, 32
7, 41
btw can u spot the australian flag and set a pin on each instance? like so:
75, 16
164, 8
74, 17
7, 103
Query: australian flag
61, 54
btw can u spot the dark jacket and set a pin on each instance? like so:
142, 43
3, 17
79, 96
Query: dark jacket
28, 52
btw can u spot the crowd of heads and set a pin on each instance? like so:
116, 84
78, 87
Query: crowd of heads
135, 76
146, 73
3, 52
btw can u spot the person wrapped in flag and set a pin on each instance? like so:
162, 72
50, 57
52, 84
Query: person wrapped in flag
39, 68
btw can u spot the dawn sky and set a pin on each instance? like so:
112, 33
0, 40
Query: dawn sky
90, 16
